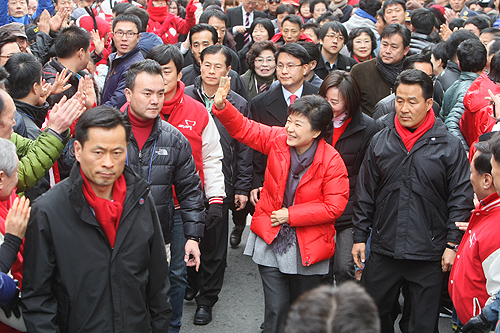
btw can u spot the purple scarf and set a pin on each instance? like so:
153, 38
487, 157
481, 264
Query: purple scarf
298, 163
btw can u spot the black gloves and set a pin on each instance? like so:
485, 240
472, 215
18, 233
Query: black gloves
14, 306
214, 215
477, 324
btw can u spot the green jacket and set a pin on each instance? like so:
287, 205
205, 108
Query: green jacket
36, 157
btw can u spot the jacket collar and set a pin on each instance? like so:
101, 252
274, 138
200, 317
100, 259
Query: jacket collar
36, 113
199, 95
114, 56
357, 124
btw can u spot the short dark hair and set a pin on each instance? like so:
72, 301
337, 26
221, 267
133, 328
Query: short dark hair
2, 106
142, 14
127, 18
285, 8
494, 144
494, 73
294, 19
203, 27
343, 309
295, 50
439, 53
148, 66
480, 21
482, 163
164, 53
356, 32
327, 17
120, 8
208, 3
6, 38
370, 6
318, 111
102, 116
312, 49
347, 86
409, 62
388, 3
336, 27
266, 23
214, 49
209, 13
472, 56
423, 21
24, 71
397, 29
312, 25
313, 4
493, 46
456, 23
415, 76
70, 40
257, 49
491, 30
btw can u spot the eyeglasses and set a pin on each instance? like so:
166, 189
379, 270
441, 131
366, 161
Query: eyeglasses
259, 61
272, 1
208, 66
336, 36
291, 67
255, 3
6, 56
129, 34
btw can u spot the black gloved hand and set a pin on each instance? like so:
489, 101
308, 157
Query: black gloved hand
214, 215
477, 324
14, 306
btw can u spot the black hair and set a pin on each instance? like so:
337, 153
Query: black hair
2, 106
480, 21
494, 144
208, 3
456, 23
397, 29
214, 49
318, 111
356, 32
423, 21
120, 8
164, 53
491, 30
6, 38
388, 3
257, 49
203, 27
295, 50
144, 66
285, 8
471, 55
70, 40
127, 18
415, 76
336, 27
102, 116
439, 53
409, 62
313, 4
493, 46
266, 23
294, 19
370, 6
142, 14
482, 163
24, 70
348, 88
217, 13
312, 49
327, 17
312, 25
494, 73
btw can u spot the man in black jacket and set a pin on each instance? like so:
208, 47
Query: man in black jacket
413, 186
94, 255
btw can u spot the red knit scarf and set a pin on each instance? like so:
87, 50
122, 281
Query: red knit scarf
337, 132
171, 105
357, 59
108, 213
141, 128
158, 14
409, 138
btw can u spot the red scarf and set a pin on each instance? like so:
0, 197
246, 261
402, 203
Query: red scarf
337, 132
171, 105
157, 14
107, 213
141, 128
358, 61
409, 138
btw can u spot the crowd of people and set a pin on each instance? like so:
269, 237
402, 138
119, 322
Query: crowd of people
359, 137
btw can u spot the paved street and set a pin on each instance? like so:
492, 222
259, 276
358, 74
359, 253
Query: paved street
240, 308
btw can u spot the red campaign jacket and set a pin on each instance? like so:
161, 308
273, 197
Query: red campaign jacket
169, 26
477, 118
279, 37
321, 195
475, 276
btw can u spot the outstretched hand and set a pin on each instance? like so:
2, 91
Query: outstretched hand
60, 84
221, 94
17, 218
64, 113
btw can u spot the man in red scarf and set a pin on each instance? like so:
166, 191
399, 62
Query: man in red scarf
94, 256
413, 186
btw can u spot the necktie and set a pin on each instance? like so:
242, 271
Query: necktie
292, 99
247, 24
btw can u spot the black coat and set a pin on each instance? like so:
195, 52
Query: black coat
237, 161
412, 200
172, 164
73, 281
270, 108
234, 18
343, 63
352, 146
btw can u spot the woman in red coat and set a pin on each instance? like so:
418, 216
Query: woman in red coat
305, 189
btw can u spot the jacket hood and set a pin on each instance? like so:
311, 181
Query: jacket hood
36, 113
474, 99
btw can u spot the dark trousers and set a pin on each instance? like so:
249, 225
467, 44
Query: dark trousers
213, 249
383, 277
280, 291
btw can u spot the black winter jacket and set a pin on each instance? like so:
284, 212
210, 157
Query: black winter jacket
73, 280
412, 200
237, 165
352, 146
171, 164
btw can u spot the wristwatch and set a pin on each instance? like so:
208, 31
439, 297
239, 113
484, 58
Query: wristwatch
452, 247
196, 239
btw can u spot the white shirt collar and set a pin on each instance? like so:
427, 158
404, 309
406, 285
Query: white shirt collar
244, 14
287, 94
